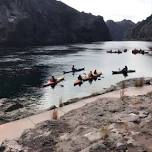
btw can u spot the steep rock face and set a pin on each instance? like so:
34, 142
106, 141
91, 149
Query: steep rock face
119, 30
142, 31
30, 22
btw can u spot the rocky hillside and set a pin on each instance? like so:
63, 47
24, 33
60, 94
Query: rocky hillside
119, 30
142, 31
37, 22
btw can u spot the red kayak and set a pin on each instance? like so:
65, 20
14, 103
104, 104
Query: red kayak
52, 83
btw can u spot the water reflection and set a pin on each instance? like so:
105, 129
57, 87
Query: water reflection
24, 70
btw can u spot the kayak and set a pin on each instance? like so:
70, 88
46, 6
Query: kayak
78, 82
73, 71
122, 72
52, 83
118, 52
109, 51
98, 74
95, 76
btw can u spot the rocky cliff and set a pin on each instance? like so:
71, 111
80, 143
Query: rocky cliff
37, 22
142, 31
119, 30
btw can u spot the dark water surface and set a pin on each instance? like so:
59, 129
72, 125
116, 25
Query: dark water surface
24, 70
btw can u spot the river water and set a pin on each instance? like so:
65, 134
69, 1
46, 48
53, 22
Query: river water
23, 71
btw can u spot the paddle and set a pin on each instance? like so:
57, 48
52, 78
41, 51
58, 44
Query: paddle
100, 78
61, 85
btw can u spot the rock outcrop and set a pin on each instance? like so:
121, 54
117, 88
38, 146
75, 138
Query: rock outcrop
38, 22
119, 30
142, 31
107, 124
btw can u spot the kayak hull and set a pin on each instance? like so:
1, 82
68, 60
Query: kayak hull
52, 84
115, 52
77, 70
123, 72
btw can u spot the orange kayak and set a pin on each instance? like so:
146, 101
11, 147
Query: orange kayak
95, 76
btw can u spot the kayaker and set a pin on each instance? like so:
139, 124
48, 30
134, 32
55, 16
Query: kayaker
125, 69
79, 77
53, 79
90, 74
125, 50
73, 68
95, 71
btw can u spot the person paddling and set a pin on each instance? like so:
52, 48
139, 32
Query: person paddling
95, 72
79, 77
53, 79
73, 68
125, 69
90, 74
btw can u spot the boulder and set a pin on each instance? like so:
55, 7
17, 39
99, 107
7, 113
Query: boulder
13, 107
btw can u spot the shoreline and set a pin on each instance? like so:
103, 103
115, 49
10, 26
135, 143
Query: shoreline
117, 86
16, 128
18, 117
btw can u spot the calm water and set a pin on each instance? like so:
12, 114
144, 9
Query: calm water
24, 70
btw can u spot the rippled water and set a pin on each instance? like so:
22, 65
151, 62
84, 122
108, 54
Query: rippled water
24, 70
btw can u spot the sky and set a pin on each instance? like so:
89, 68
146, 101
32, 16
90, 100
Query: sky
117, 10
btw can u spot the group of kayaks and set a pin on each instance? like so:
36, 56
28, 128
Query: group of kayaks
54, 82
135, 51
87, 78
84, 77
60, 79
118, 51
77, 82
